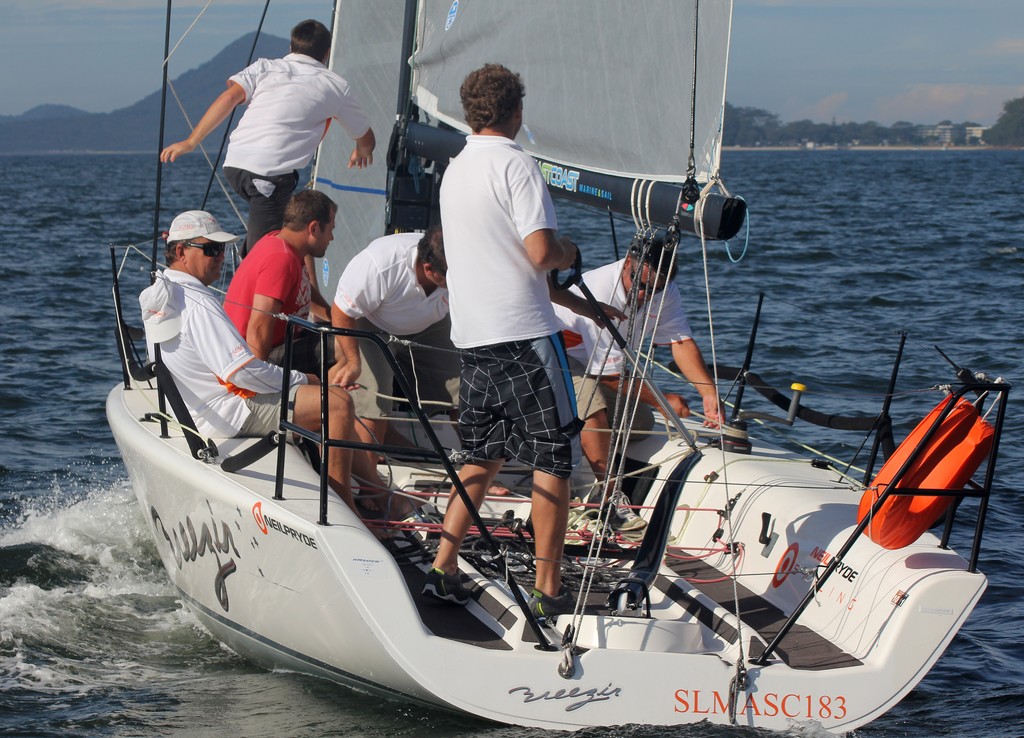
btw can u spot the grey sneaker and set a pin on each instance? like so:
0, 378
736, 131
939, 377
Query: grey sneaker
622, 516
446, 587
543, 606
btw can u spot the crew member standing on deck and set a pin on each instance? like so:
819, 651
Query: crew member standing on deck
516, 397
292, 102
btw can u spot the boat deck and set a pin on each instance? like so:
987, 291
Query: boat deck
801, 649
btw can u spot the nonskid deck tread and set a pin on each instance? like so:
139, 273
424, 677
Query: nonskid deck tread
802, 648
449, 620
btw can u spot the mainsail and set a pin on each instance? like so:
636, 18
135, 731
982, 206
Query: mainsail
367, 52
623, 106
609, 85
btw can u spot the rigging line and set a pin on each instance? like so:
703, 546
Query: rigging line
627, 398
647, 204
739, 676
172, 422
691, 167
632, 204
181, 39
231, 117
613, 477
644, 373
206, 156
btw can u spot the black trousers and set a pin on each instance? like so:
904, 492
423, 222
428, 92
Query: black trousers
267, 198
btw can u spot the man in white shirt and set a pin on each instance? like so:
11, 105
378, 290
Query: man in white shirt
646, 275
516, 399
228, 391
396, 285
292, 101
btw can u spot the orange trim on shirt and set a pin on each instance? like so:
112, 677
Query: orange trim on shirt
572, 339
234, 388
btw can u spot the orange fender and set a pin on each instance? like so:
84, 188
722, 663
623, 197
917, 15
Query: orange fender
953, 454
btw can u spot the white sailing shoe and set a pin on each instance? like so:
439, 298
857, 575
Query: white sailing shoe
622, 517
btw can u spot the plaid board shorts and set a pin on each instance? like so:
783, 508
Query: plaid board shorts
516, 401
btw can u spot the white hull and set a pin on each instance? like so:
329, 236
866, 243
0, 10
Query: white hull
280, 589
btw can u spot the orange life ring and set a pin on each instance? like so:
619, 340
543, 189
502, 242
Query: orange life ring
953, 454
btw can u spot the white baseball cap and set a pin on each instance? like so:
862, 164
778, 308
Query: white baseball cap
161, 305
197, 224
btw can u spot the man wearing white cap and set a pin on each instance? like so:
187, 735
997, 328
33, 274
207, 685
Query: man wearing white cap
228, 391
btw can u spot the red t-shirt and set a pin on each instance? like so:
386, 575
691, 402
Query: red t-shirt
272, 269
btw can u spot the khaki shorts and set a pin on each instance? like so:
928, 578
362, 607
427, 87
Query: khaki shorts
592, 396
431, 365
265, 412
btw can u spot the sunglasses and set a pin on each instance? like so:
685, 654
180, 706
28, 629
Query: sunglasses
648, 285
211, 249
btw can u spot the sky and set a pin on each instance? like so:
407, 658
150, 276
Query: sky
919, 61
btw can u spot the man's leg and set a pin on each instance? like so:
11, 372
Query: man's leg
266, 212
550, 516
370, 407
595, 438
340, 424
476, 477
596, 441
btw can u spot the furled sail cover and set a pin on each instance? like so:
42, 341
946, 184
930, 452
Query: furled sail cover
368, 53
608, 84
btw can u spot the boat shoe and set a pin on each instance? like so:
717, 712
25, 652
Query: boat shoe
440, 585
621, 516
543, 606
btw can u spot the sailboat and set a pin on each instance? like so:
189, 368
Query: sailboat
771, 587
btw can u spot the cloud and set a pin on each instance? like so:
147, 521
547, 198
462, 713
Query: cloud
824, 109
956, 102
1008, 47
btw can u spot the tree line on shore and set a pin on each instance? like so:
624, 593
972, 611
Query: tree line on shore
745, 126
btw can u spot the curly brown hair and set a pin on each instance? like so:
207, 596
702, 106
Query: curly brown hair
490, 96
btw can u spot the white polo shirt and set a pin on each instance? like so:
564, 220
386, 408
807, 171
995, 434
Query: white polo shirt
380, 284
587, 342
291, 103
492, 197
208, 354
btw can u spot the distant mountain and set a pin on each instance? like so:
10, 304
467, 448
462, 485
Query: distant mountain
44, 112
60, 128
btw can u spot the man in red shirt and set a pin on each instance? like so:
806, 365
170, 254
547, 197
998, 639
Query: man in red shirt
272, 279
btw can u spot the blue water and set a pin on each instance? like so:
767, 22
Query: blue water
850, 247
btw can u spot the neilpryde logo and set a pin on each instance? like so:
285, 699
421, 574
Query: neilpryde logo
257, 513
560, 177
452, 12
266, 523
